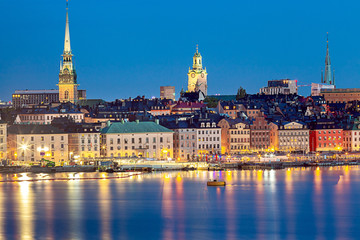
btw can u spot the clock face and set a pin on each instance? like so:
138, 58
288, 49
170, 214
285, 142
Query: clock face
202, 75
193, 75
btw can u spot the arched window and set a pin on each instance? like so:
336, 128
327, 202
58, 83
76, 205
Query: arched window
66, 94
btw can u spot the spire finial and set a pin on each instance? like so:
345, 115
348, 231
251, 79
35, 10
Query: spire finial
67, 5
327, 37
197, 48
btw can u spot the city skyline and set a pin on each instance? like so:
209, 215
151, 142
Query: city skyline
165, 59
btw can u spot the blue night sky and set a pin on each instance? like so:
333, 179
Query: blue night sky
128, 48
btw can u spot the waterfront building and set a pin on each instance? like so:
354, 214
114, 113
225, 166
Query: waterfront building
326, 135
293, 136
197, 76
235, 136
30, 143
185, 139
283, 86
352, 136
167, 92
259, 134
208, 137
3, 140
83, 138
195, 136
141, 139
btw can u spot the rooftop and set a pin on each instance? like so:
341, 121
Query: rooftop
134, 127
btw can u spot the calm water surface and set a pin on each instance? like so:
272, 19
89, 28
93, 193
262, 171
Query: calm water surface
322, 203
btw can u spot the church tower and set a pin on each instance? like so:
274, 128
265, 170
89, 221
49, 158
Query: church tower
197, 76
67, 77
329, 78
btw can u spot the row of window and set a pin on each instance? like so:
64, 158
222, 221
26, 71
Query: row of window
208, 146
209, 132
52, 138
235, 140
329, 138
240, 132
293, 133
241, 147
329, 132
329, 145
140, 140
209, 139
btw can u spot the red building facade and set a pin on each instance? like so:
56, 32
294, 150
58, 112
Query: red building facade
326, 135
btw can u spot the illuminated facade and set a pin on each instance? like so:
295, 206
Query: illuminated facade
142, 139
235, 136
68, 91
197, 76
3, 140
29, 143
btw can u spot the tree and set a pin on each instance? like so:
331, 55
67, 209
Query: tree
241, 93
211, 102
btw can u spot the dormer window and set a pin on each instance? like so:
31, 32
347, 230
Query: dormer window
202, 125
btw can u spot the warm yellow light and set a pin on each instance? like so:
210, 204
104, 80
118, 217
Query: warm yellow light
24, 147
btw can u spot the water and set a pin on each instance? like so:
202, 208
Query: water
322, 203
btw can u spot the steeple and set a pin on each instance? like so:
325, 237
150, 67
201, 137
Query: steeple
67, 47
67, 76
197, 59
327, 77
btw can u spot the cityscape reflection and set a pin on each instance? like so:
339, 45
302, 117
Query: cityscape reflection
255, 204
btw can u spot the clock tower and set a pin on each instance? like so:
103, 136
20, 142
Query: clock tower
67, 77
197, 76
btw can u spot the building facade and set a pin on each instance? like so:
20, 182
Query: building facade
326, 135
283, 86
30, 143
293, 136
3, 140
260, 134
340, 95
235, 136
167, 92
28, 98
141, 139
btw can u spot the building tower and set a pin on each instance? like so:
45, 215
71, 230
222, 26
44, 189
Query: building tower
197, 76
67, 77
328, 78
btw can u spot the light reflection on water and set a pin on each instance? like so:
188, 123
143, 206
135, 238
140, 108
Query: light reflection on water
295, 203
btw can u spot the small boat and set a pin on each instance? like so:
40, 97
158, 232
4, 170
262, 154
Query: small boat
216, 182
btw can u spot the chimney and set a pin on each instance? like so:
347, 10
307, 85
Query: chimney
157, 121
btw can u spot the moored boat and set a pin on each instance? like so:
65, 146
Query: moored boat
216, 182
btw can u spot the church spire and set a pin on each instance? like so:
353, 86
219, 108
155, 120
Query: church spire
197, 59
327, 77
67, 47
